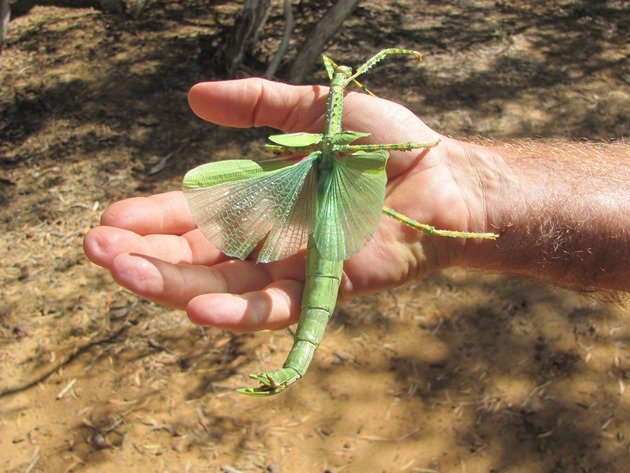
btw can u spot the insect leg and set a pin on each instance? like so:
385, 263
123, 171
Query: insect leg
367, 65
389, 146
330, 66
430, 230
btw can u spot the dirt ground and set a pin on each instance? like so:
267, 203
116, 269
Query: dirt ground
461, 372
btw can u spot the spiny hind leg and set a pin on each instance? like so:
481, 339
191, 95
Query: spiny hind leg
390, 146
430, 230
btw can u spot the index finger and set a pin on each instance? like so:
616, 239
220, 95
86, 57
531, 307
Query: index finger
258, 102
166, 213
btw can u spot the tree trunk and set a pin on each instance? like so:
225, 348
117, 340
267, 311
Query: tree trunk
247, 27
324, 30
5, 16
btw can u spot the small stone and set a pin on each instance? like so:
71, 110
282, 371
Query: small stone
99, 441
20, 331
273, 468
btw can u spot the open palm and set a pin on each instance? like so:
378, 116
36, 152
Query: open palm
151, 244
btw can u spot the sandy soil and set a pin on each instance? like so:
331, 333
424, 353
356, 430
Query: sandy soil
462, 372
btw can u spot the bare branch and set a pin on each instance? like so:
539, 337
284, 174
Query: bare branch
247, 28
324, 30
284, 44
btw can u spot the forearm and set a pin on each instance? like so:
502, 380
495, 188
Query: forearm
562, 210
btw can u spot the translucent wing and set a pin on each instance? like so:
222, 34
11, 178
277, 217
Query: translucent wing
349, 204
291, 231
237, 203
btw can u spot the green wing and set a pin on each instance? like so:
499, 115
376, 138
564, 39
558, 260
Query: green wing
350, 199
296, 140
304, 140
238, 203
347, 137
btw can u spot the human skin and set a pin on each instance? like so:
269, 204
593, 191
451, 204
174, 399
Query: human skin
562, 211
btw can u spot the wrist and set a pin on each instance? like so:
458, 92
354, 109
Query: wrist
562, 212
489, 190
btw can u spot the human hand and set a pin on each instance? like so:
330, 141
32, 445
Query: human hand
152, 247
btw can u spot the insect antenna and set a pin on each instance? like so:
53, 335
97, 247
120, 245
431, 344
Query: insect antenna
363, 88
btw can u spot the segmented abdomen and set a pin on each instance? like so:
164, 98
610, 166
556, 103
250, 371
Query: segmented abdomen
323, 278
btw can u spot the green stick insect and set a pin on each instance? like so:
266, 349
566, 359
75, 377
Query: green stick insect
317, 189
